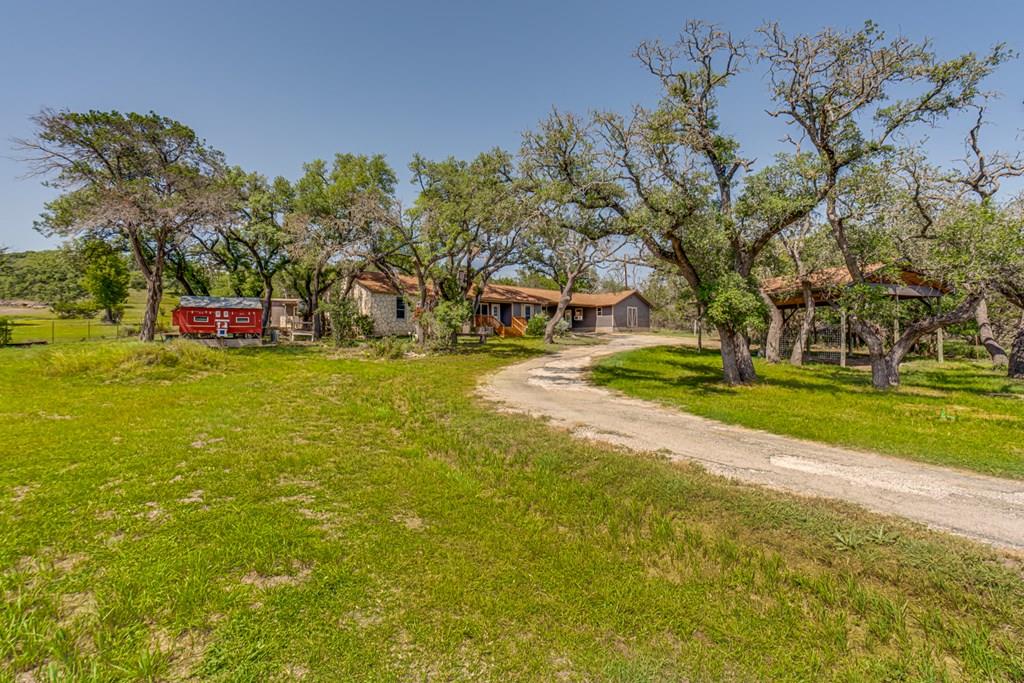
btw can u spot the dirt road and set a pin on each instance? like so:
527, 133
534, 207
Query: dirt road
985, 508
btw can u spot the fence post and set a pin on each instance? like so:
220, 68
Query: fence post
53, 336
842, 338
88, 330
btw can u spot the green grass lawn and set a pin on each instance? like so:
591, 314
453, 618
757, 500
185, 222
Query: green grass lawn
40, 324
962, 414
270, 514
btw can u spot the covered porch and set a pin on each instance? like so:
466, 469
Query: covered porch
506, 318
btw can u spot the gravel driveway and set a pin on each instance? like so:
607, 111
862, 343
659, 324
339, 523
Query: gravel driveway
985, 508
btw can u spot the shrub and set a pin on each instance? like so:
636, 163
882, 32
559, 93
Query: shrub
445, 320
535, 326
390, 348
732, 301
6, 331
347, 323
74, 309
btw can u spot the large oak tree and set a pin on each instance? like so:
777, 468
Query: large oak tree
142, 178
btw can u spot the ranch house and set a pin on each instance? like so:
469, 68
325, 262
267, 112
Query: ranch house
505, 308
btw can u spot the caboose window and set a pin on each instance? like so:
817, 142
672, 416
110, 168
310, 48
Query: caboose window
201, 318
242, 319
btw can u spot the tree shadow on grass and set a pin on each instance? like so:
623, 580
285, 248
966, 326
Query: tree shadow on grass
689, 370
695, 378
695, 372
966, 379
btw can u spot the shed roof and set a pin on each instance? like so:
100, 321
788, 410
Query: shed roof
785, 291
246, 302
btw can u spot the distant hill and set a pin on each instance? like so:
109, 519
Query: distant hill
42, 276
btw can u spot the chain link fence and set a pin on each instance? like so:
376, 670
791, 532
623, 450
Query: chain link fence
58, 331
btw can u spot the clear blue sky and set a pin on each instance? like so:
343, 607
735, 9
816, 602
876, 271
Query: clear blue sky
274, 84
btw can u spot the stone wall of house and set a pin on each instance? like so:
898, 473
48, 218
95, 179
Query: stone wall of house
383, 309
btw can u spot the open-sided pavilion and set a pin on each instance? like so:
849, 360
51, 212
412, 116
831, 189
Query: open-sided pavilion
827, 285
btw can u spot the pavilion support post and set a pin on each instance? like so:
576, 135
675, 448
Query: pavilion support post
939, 354
842, 338
896, 322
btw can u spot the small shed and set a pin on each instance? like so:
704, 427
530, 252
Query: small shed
218, 316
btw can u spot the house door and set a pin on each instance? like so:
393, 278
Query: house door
527, 311
631, 316
496, 311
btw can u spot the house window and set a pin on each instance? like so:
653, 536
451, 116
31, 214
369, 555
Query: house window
242, 319
201, 318
578, 314
399, 308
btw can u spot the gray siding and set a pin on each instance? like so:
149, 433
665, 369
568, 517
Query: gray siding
643, 313
589, 321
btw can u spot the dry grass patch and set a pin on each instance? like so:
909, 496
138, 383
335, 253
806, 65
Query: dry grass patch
301, 573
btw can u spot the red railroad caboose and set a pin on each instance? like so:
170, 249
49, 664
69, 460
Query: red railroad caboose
218, 316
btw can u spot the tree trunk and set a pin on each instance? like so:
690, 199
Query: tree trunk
700, 329
268, 297
563, 302
995, 351
744, 361
737, 365
186, 286
154, 274
796, 357
885, 371
421, 329
882, 372
885, 366
154, 294
314, 306
730, 370
1016, 360
773, 339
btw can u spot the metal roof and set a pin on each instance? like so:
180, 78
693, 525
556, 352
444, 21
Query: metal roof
827, 283
379, 284
220, 302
